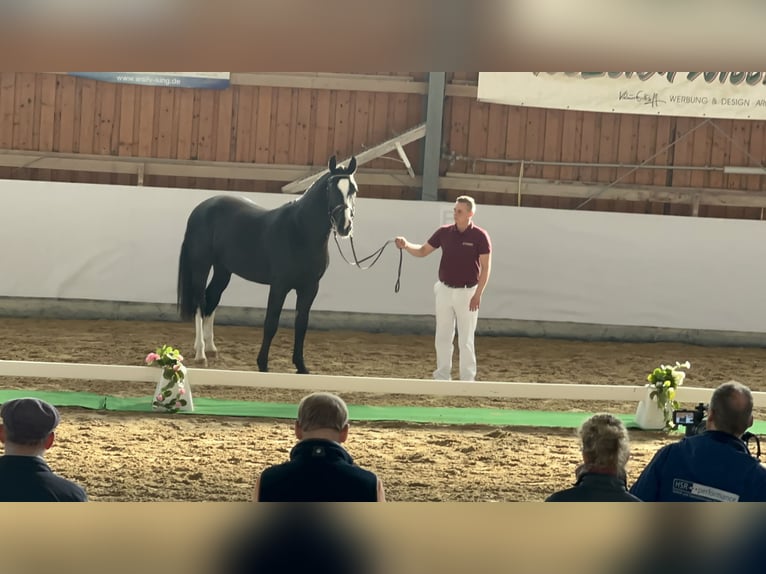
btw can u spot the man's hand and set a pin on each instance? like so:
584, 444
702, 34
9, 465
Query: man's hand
475, 302
401, 242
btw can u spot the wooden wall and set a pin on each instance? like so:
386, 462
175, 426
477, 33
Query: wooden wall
481, 130
274, 125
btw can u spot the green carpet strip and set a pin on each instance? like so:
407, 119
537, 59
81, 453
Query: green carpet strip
433, 415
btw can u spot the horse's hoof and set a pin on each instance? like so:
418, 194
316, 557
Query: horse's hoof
201, 361
213, 353
303, 371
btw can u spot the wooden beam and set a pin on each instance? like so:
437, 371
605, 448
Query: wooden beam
216, 377
370, 154
496, 184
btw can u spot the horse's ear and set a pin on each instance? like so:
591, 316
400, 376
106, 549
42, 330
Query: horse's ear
332, 165
351, 165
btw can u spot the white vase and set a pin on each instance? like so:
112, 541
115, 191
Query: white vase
180, 391
649, 416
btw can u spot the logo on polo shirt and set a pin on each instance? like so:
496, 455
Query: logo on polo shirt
702, 492
468, 243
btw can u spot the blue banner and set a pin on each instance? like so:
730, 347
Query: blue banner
211, 80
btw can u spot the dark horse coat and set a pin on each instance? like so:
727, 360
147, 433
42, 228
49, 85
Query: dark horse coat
286, 248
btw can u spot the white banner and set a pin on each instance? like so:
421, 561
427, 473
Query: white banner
212, 80
734, 95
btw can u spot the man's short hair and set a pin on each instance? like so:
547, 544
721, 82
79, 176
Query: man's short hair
322, 411
469, 201
28, 421
731, 407
605, 441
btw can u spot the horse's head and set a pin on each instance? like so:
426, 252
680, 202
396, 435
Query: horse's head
341, 196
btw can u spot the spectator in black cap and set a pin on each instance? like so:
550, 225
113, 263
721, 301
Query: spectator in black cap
27, 432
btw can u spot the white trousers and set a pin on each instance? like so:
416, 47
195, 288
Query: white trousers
452, 309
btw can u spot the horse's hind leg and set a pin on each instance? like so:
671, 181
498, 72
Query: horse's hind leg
305, 298
277, 297
199, 341
218, 284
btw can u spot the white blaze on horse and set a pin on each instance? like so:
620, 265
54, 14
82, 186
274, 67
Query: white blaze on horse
286, 248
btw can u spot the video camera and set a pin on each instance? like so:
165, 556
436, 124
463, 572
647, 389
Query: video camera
694, 421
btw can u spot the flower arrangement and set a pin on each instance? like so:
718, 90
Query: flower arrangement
664, 380
170, 394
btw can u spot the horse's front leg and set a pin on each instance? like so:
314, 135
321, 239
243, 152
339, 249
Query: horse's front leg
304, 300
277, 297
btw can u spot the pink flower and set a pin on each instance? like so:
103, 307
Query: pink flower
178, 405
181, 391
177, 367
180, 357
160, 398
151, 357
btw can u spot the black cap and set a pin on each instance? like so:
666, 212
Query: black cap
28, 420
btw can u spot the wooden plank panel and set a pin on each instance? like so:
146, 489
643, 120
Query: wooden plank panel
245, 124
25, 112
343, 123
265, 98
320, 128
626, 154
224, 148
457, 132
104, 124
701, 152
124, 142
127, 144
304, 107
497, 126
185, 114
146, 112
666, 130
571, 141
47, 118
607, 153
591, 132
206, 130
515, 139
645, 148
719, 157
284, 118
683, 150
193, 150
740, 142
554, 123
416, 115
163, 126
7, 107
64, 121
478, 131
535, 149
379, 126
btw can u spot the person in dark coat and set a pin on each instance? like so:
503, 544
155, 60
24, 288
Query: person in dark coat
605, 450
714, 466
319, 469
27, 431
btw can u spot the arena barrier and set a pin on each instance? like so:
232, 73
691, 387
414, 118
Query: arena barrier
343, 384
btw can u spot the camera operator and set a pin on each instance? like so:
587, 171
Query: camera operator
713, 466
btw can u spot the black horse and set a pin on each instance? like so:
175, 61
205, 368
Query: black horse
285, 248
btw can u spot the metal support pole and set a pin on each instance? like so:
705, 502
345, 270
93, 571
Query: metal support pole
437, 82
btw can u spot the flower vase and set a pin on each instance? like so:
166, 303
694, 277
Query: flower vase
649, 415
172, 397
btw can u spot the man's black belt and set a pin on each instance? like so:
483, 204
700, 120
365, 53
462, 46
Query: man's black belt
463, 286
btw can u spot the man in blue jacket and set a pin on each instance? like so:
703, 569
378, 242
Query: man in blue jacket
714, 466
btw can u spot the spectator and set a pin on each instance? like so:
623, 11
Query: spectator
463, 274
27, 431
712, 466
320, 469
605, 450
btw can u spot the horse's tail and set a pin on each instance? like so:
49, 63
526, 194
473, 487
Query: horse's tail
188, 298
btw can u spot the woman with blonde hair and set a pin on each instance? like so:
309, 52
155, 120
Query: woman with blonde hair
605, 450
